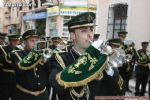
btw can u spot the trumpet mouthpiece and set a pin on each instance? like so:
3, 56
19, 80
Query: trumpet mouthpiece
90, 41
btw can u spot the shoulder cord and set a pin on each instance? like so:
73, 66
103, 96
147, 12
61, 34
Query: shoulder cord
85, 90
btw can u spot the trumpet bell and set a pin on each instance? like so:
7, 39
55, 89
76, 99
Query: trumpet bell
47, 53
128, 57
105, 49
117, 58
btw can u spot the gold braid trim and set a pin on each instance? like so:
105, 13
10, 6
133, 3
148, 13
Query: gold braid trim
76, 26
5, 54
31, 67
121, 47
97, 74
138, 54
60, 60
122, 35
17, 55
8, 70
118, 44
34, 93
66, 48
31, 35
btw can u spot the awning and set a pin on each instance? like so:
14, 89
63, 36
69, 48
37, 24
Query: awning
41, 15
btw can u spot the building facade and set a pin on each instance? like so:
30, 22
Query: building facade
63, 12
124, 15
12, 15
47, 16
1, 19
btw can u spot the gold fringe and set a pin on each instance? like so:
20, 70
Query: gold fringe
97, 74
31, 67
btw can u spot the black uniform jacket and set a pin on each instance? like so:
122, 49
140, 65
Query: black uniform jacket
34, 78
142, 60
108, 86
6, 70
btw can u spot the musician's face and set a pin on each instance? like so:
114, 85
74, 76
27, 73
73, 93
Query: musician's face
82, 37
144, 47
30, 42
122, 38
14, 42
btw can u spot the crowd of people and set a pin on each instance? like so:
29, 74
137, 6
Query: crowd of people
79, 70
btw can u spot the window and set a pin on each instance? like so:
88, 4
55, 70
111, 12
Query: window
52, 26
117, 18
36, 3
30, 2
43, 1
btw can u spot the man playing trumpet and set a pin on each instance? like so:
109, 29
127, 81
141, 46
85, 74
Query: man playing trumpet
83, 72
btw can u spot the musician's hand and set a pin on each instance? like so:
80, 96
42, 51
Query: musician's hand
110, 71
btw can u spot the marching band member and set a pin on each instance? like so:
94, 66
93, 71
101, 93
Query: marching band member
83, 72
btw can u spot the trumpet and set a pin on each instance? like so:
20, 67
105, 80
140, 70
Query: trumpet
129, 57
116, 57
42, 47
47, 53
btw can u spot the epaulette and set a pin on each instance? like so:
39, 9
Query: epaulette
60, 57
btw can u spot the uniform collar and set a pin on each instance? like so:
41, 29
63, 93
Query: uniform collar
78, 53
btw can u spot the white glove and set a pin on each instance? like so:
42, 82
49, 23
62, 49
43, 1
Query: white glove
97, 44
102, 47
110, 71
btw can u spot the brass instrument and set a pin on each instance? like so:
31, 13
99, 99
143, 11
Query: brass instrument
42, 47
116, 57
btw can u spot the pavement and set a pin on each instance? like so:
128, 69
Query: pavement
131, 94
